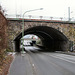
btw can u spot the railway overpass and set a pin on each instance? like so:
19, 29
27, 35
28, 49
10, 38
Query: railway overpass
53, 34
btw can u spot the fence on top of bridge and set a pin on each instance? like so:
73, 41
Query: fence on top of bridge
41, 17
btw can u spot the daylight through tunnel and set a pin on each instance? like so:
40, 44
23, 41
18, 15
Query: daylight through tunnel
52, 39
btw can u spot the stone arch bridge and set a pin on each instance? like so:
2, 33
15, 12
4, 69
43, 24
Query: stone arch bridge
55, 35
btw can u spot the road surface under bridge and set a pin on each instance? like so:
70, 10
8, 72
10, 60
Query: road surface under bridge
43, 63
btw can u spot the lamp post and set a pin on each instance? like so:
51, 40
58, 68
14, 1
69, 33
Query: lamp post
23, 25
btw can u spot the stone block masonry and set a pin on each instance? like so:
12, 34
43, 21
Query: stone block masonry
3, 31
15, 27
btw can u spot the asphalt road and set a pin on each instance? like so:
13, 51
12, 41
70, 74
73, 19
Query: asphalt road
41, 63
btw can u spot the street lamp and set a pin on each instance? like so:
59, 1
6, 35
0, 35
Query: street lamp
23, 25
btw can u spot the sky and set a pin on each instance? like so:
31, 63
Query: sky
54, 8
30, 36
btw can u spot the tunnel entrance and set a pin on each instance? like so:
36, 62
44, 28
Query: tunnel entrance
52, 39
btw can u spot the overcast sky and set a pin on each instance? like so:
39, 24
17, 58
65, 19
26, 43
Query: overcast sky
55, 8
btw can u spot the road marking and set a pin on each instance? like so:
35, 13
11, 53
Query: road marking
33, 65
67, 57
60, 58
63, 59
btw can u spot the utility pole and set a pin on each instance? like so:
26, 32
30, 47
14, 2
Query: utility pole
69, 14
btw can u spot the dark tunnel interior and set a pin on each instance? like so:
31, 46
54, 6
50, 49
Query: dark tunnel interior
52, 39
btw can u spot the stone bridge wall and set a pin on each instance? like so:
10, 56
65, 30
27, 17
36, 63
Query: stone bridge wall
3, 32
15, 27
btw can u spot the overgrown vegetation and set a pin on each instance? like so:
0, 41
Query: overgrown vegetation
5, 64
9, 50
39, 42
2, 56
5, 61
2, 9
71, 33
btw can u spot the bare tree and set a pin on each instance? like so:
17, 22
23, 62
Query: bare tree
0, 7
2, 10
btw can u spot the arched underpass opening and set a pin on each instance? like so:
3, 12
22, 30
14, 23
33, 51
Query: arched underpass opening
52, 39
31, 43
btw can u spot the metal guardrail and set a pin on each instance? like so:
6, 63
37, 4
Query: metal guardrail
40, 17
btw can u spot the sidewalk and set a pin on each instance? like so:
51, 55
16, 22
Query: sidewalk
20, 65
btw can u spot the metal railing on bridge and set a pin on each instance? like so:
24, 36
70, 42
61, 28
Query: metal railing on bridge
41, 17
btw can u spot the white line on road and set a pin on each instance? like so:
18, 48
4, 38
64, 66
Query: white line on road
33, 65
55, 56
63, 59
